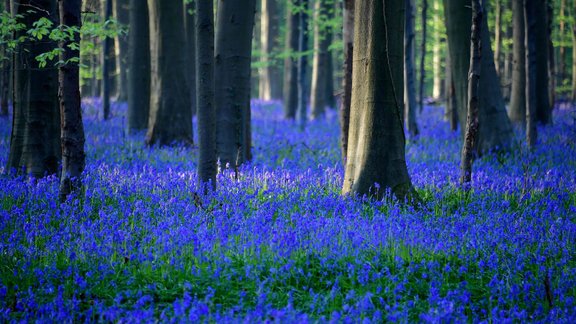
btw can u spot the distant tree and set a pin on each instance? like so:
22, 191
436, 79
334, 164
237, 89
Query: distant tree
410, 104
72, 128
498, 10
451, 111
190, 21
139, 72
437, 57
376, 154
348, 40
423, 42
170, 118
5, 63
207, 167
290, 91
301, 113
233, 53
574, 61
320, 60
35, 138
517, 111
270, 82
106, 63
122, 16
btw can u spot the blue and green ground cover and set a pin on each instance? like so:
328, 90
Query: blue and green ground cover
278, 243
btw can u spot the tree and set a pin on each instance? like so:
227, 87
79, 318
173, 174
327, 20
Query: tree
531, 11
233, 53
517, 111
121, 14
270, 85
437, 51
495, 130
301, 113
320, 60
170, 118
423, 54
543, 108
473, 84
72, 129
207, 167
376, 154
290, 91
5, 63
409, 71
498, 35
348, 40
574, 62
139, 72
35, 140
106, 63
190, 21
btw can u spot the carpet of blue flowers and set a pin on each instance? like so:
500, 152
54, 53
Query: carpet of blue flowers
277, 242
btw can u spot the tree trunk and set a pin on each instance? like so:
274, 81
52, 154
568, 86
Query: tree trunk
451, 105
561, 48
517, 111
437, 90
495, 130
207, 159
376, 155
72, 128
170, 118
348, 40
543, 109
191, 51
574, 63
121, 13
498, 36
320, 60
551, 63
291, 63
472, 126
423, 54
5, 71
139, 72
302, 114
106, 62
531, 11
269, 82
35, 138
233, 54
410, 104
330, 98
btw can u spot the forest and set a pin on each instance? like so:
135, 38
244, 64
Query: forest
288, 161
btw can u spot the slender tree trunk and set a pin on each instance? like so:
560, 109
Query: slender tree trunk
189, 20
451, 105
330, 98
207, 167
170, 118
72, 128
517, 111
531, 11
437, 90
139, 72
301, 113
543, 109
506, 75
269, 81
320, 60
5, 71
498, 36
348, 40
561, 48
551, 63
423, 54
121, 13
106, 60
35, 138
291, 63
472, 119
376, 155
410, 104
233, 54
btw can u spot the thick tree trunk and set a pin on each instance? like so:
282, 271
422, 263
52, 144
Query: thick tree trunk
121, 13
291, 63
531, 11
320, 60
437, 89
376, 155
35, 138
72, 128
233, 54
410, 104
517, 110
190, 22
302, 112
423, 54
139, 72
495, 130
106, 62
270, 85
170, 118
207, 159
348, 40
543, 109
472, 126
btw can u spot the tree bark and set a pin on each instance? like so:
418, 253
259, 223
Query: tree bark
207, 158
121, 13
302, 114
410, 104
106, 62
472, 122
451, 104
531, 11
561, 48
517, 111
423, 54
190, 22
170, 120
376, 155
72, 128
320, 60
233, 54
270, 86
437, 89
35, 140
139, 72
291, 63
543, 109
348, 40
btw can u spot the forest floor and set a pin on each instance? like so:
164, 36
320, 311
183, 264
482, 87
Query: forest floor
281, 244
